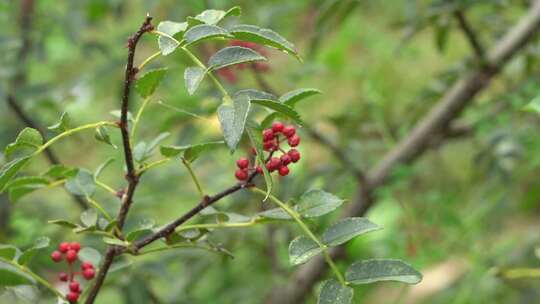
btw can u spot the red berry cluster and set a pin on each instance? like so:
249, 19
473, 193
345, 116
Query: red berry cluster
229, 74
69, 252
272, 139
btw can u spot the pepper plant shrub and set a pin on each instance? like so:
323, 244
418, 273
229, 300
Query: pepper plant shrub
270, 124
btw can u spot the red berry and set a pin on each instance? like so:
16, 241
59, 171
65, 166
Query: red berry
269, 166
75, 246
259, 170
87, 265
269, 145
56, 256
273, 164
89, 273
284, 170
62, 276
268, 134
289, 131
71, 256
74, 286
277, 127
294, 140
72, 297
285, 159
63, 247
242, 163
294, 154
241, 174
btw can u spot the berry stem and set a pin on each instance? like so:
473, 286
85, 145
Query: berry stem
218, 84
98, 206
106, 187
308, 232
187, 164
70, 132
138, 117
148, 60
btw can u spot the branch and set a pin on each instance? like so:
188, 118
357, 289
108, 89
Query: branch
204, 203
469, 34
450, 106
131, 175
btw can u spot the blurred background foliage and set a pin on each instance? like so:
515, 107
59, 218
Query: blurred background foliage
466, 210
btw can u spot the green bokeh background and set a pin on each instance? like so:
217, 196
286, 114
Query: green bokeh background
470, 204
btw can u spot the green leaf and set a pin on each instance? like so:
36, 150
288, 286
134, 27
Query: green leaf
27, 255
293, 97
256, 142
110, 226
63, 223
63, 125
89, 254
102, 167
166, 44
315, 203
28, 138
120, 264
103, 135
233, 55
59, 172
148, 83
346, 229
27, 181
256, 94
332, 292
89, 217
233, 120
191, 234
302, 249
202, 32
229, 217
115, 241
10, 169
193, 77
442, 30
534, 105
279, 107
192, 153
195, 150
144, 227
82, 184
8, 252
143, 151
13, 276
24, 185
213, 17
266, 37
375, 270
275, 214
269, 119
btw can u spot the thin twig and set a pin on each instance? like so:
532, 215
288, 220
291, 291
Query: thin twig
131, 175
203, 203
470, 34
